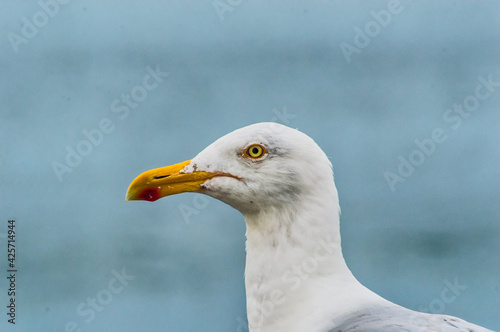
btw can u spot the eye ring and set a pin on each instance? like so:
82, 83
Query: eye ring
255, 151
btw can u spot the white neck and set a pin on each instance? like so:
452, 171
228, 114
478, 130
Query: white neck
292, 253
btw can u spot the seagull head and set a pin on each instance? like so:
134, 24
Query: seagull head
255, 168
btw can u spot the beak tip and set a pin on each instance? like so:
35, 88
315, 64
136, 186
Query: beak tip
157, 183
129, 196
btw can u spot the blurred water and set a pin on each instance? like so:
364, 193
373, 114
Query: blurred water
261, 61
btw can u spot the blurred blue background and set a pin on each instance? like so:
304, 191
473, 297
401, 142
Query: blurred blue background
365, 97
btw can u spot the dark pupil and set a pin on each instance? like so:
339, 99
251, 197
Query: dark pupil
255, 150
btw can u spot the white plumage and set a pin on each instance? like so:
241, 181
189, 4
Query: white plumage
296, 277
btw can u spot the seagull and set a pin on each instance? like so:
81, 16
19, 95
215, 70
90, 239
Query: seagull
296, 278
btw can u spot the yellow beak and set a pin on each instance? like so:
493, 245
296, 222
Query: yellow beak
160, 182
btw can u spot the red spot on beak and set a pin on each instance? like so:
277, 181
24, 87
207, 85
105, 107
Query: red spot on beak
150, 194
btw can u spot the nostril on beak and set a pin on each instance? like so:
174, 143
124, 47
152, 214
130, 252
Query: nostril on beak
161, 176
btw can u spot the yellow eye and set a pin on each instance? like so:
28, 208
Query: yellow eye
255, 151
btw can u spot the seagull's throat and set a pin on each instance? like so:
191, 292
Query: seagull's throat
291, 252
